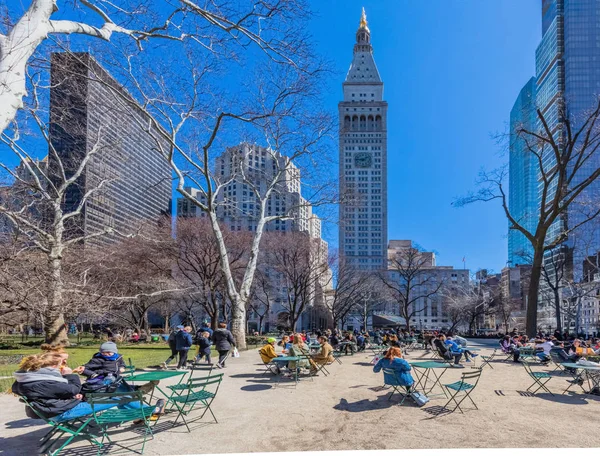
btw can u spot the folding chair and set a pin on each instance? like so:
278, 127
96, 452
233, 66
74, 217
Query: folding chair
462, 386
537, 379
118, 416
336, 355
196, 395
270, 368
183, 384
557, 361
396, 387
129, 369
77, 427
486, 359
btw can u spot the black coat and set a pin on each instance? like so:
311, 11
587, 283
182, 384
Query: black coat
50, 398
99, 365
223, 339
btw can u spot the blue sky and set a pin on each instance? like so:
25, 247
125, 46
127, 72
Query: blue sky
452, 71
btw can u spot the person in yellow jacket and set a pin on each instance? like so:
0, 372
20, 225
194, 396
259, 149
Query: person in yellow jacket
267, 354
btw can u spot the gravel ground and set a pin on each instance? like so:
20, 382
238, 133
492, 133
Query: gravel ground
348, 410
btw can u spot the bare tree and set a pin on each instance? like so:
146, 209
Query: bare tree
563, 156
263, 48
350, 284
299, 261
263, 296
198, 265
410, 279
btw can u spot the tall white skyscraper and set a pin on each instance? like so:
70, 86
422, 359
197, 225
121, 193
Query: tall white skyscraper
363, 160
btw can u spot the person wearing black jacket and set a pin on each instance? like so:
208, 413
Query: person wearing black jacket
105, 363
224, 342
52, 389
444, 351
172, 341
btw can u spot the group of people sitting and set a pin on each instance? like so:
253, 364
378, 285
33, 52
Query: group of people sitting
56, 391
296, 347
544, 347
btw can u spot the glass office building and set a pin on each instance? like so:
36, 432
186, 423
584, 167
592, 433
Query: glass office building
523, 182
567, 71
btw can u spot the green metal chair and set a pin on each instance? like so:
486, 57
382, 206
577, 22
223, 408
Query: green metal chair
486, 359
196, 394
108, 417
129, 369
466, 385
77, 427
396, 388
539, 378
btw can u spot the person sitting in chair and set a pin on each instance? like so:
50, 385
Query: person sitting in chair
54, 390
267, 354
455, 348
444, 350
393, 360
325, 355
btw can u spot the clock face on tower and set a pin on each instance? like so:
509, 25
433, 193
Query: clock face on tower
363, 160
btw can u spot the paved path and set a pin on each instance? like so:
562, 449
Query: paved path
349, 410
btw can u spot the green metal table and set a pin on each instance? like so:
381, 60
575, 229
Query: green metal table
423, 369
592, 375
155, 376
286, 360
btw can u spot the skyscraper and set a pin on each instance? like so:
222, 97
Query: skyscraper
363, 160
126, 178
568, 72
523, 176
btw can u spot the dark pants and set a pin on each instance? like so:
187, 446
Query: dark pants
223, 356
516, 354
202, 355
456, 357
173, 354
182, 358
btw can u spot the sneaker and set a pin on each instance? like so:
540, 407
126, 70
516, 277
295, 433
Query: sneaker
160, 407
467, 360
164, 365
474, 355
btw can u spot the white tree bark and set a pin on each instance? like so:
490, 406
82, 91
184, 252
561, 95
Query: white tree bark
22, 41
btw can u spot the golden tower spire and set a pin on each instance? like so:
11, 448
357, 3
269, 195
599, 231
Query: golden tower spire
363, 19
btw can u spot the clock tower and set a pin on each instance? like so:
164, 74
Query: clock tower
363, 160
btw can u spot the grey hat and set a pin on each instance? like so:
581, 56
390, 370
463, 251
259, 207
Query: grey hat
109, 347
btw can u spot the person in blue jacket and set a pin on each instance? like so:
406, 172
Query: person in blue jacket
455, 348
183, 341
393, 360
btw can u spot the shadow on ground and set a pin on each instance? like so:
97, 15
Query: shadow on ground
365, 405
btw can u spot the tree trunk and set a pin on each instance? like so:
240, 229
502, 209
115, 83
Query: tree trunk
238, 324
557, 309
534, 287
56, 333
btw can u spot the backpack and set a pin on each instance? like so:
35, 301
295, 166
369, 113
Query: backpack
419, 398
101, 384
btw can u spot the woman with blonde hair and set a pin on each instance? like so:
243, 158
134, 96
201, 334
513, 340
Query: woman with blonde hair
393, 360
300, 349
